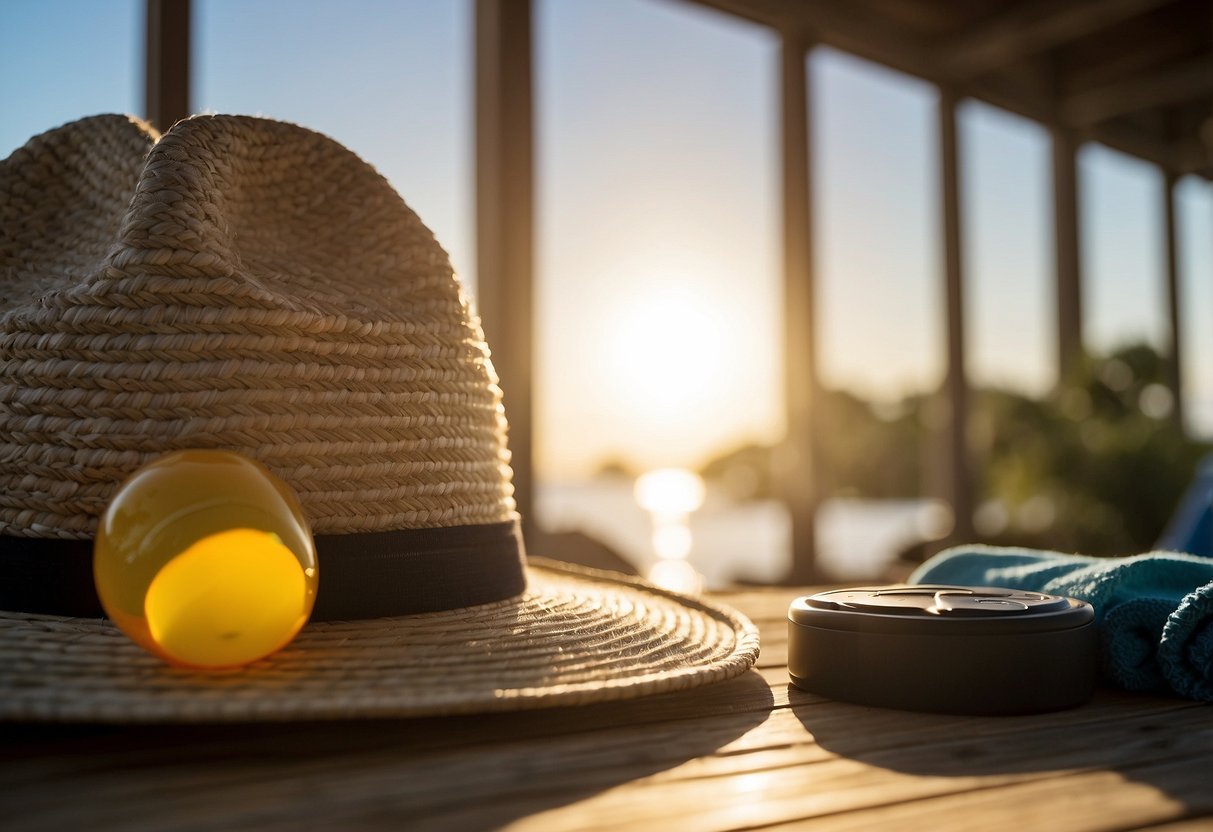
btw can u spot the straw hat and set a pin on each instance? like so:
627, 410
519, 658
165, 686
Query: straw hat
247, 284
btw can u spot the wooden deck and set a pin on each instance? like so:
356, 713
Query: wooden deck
748, 754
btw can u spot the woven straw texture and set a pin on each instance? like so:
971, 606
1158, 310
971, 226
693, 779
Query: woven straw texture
251, 285
240, 283
575, 637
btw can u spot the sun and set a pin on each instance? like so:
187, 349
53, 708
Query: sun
665, 348
670, 360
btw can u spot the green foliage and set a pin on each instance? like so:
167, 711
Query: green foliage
869, 450
863, 451
1103, 452
1098, 466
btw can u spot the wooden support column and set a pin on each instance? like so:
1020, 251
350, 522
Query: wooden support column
505, 220
1174, 367
801, 386
1066, 249
167, 62
960, 479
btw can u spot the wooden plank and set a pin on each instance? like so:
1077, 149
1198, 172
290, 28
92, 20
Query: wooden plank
771, 13
1025, 29
854, 754
837, 786
1067, 263
744, 753
848, 28
75, 750
1175, 83
1171, 272
1128, 52
505, 222
767, 605
800, 482
1202, 823
757, 692
1097, 800
959, 474
167, 62
304, 749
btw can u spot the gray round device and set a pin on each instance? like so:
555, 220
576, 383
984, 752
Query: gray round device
950, 649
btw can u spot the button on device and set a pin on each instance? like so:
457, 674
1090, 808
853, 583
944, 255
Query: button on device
1001, 602
950, 602
938, 600
990, 650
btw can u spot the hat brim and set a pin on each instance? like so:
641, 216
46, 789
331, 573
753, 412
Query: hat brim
575, 636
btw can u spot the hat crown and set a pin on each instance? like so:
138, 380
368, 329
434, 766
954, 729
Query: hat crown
62, 197
239, 283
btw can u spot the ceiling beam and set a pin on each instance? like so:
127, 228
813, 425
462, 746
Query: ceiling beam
836, 24
771, 13
1124, 54
1172, 85
1180, 157
1194, 157
841, 26
1029, 28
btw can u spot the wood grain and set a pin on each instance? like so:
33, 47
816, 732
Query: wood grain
750, 753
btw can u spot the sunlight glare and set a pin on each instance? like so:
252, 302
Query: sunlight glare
669, 492
666, 352
670, 496
671, 359
672, 541
676, 576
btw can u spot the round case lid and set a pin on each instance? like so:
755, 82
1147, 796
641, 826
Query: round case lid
944, 648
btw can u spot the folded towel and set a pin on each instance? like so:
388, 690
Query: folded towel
1129, 637
1154, 611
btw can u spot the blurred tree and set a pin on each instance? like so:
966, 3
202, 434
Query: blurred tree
871, 449
867, 450
1098, 466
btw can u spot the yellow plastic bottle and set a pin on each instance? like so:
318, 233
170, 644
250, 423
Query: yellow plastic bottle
205, 558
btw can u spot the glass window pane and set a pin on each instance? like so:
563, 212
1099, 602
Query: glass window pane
659, 326
390, 79
876, 191
1124, 296
1008, 250
61, 60
880, 324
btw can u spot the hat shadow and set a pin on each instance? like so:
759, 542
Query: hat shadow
1157, 742
475, 771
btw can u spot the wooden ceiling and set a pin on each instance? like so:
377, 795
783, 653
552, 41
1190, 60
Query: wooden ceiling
1136, 75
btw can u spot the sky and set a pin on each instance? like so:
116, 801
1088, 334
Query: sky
657, 252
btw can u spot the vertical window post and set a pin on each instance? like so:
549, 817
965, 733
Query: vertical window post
1174, 367
960, 479
505, 220
1066, 248
167, 62
801, 386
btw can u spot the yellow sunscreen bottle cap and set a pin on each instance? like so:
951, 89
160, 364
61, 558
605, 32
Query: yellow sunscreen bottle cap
204, 558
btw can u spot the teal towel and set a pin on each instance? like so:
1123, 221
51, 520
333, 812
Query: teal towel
1154, 611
